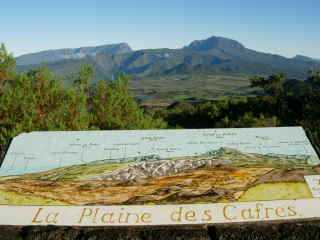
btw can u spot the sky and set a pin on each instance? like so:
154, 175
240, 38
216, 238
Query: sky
285, 27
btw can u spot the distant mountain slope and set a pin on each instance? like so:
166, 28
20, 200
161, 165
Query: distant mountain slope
213, 55
51, 56
215, 45
305, 59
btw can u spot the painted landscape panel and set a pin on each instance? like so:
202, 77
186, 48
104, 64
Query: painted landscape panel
158, 167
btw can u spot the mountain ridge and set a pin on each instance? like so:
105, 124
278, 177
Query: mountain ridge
305, 58
54, 55
211, 55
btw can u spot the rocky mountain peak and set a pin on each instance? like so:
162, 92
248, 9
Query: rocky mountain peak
215, 43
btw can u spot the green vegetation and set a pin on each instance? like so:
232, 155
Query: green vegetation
281, 102
212, 56
76, 172
37, 100
276, 191
180, 87
13, 198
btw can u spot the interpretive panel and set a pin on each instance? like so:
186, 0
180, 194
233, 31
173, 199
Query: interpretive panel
159, 177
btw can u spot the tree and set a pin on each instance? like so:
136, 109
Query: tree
272, 85
79, 98
84, 77
7, 66
258, 81
314, 79
113, 107
38, 101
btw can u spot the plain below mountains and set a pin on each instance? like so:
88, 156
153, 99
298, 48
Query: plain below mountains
158, 69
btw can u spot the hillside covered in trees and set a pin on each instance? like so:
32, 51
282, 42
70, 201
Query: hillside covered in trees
37, 100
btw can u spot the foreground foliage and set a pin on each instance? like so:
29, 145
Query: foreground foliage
282, 102
37, 101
